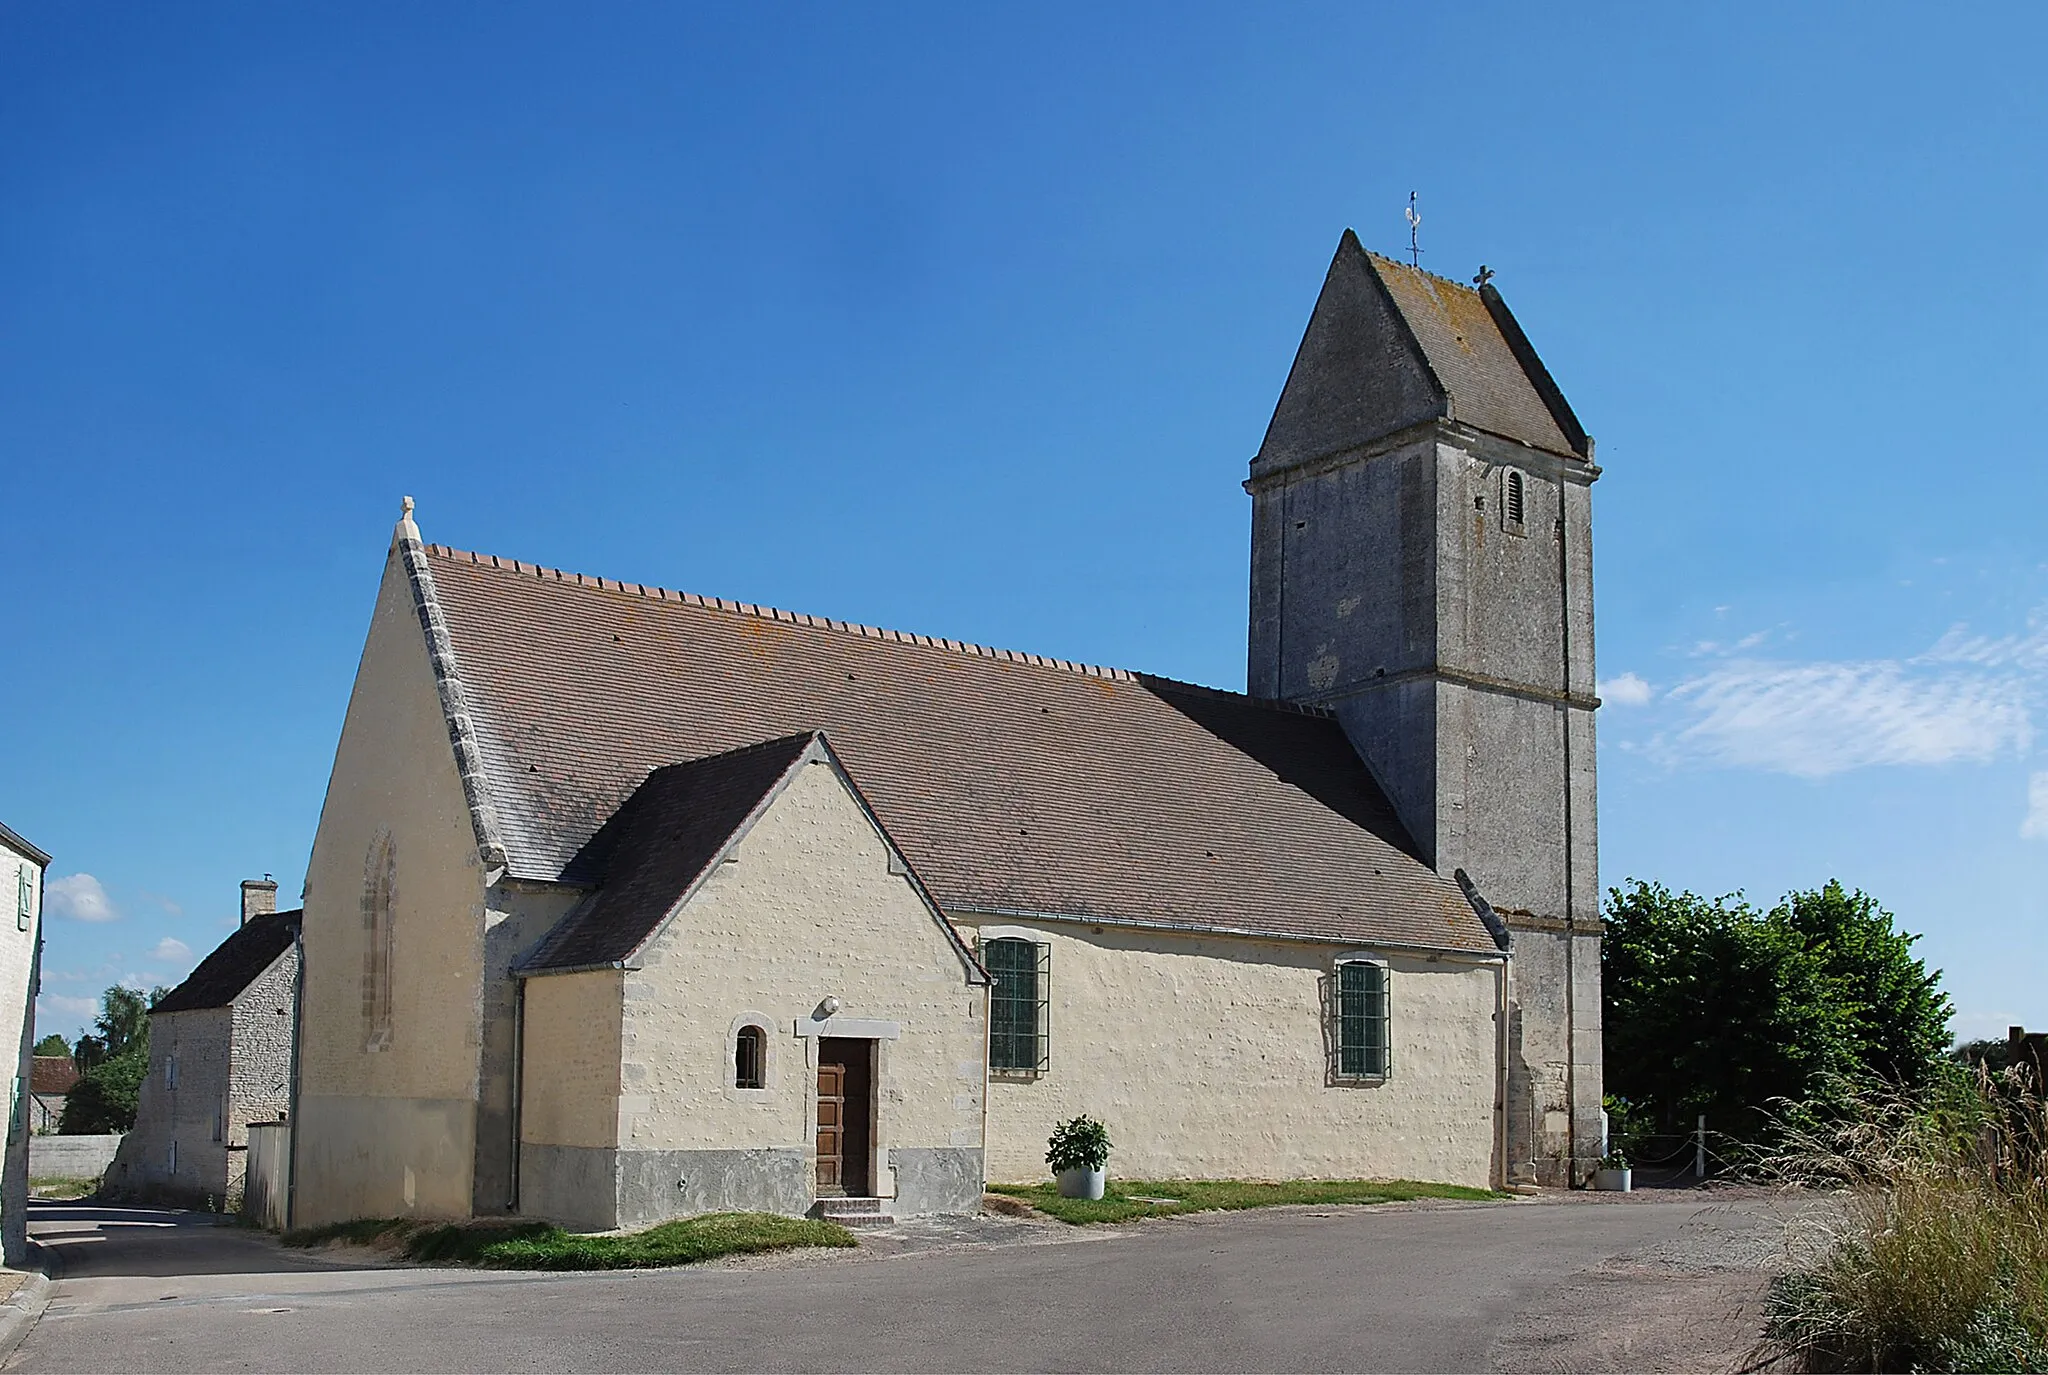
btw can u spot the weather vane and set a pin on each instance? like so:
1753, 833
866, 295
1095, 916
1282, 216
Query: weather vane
1414, 226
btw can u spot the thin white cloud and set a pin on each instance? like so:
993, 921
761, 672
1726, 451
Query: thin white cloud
1812, 720
2025, 651
1629, 690
1969, 698
60, 1007
2035, 826
171, 950
79, 897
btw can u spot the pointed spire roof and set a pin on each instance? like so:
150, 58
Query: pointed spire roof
1389, 346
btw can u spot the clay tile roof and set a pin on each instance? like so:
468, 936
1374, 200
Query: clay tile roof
234, 964
653, 850
51, 1074
1472, 346
1012, 783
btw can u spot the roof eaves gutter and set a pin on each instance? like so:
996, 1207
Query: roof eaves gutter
1234, 932
455, 707
524, 972
14, 840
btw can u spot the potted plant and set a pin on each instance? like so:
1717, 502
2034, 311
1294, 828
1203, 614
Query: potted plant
1614, 1175
1079, 1155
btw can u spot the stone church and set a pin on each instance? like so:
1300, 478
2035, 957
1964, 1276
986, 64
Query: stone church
627, 903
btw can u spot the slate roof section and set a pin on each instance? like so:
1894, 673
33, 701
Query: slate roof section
1487, 385
1389, 347
51, 1074
235, 963
655, 848
1012, 784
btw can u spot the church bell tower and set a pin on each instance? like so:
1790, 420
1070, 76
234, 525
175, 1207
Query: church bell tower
1422, 567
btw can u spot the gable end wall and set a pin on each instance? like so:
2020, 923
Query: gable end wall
392, 1131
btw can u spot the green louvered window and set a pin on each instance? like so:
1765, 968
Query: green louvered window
1019, 1002
1363, 1040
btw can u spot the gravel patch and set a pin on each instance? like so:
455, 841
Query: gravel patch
1691, 1302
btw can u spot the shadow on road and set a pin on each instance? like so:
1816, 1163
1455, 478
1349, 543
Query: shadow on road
91, 1240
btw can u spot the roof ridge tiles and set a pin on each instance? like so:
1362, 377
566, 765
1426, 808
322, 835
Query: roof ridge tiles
1421, 271
872, 632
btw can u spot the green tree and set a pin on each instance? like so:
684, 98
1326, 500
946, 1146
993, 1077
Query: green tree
1713, 1007
53, 1044
123, 1027
114, 1063
105, 1099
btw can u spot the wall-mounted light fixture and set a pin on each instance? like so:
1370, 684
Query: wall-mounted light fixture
828, 1008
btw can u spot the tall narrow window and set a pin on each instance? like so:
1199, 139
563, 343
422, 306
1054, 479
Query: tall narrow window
1018, 1039
171, 1157
25, 898
380, 884
170, 1071
1513, 500
750, 1058
1362, 1040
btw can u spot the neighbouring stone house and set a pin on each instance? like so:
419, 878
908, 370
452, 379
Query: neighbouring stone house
50, 1078
23, 867
220, 1057
627, 903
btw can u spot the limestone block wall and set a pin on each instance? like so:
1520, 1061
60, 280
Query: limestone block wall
389, 1072
810, 908
177, 1154
569, 1098
516, 916
1555, 1056
260, 1058
1205, 1057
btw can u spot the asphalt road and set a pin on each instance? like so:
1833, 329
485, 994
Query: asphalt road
1388, 1288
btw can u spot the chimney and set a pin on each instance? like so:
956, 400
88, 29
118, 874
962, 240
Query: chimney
259, 897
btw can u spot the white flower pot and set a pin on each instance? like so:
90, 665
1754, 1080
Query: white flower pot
1087, 1184
1614, 1181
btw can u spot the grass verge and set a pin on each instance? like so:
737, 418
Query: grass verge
544, 1246
1127, 1199
1936, 1258
61, 1187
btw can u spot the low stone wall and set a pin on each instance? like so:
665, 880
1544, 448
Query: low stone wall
71, 1157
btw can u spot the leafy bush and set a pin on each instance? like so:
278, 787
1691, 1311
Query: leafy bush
104, 1100
1081, 1143
1937, 1259
1712, 1006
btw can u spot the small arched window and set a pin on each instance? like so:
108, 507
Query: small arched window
750, 1058
1512, 504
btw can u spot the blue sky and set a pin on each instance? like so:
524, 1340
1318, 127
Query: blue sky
967, 321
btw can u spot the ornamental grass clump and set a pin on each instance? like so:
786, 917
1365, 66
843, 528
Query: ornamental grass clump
1936, 1257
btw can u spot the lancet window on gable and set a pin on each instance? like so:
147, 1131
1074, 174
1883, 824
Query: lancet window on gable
380, 885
